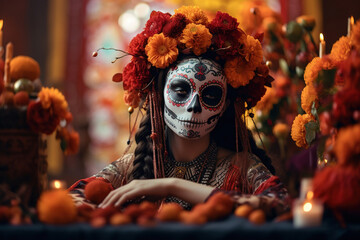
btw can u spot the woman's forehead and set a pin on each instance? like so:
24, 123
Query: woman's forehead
198, 68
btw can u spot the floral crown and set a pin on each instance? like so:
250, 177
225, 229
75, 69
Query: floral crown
189, 31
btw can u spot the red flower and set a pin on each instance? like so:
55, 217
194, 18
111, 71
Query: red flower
231, 41
223, 22
346, 103
156, 23
175, 26
254, 90
40, 119
136, 74
137, 45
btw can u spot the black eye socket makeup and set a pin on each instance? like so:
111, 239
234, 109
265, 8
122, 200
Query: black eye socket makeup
180, 90
211, 95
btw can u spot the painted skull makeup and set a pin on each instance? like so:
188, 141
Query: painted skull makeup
194, 96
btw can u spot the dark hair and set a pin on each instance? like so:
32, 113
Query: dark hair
224, 135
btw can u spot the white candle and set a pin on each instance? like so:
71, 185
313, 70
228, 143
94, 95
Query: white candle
350, 25
307, 213
322, 45
305, 187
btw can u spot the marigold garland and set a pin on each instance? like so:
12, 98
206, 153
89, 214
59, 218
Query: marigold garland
308, 96
341, 49
298, 131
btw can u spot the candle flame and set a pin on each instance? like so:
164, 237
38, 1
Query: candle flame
1, 24
307, 207
57, 184
321, 37
352, 21
310, 195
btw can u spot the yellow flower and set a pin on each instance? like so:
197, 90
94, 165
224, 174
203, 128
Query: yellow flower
161, 50
237, 72
298, 131
54, 99
252, 52
197, 37
308, 96
281, 130
194, 14
341, 49
355, 35
347, 145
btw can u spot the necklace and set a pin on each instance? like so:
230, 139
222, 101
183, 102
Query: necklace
199, 170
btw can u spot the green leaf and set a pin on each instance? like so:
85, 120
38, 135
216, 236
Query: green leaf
311, 128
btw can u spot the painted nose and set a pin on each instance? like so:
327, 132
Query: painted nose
195, 106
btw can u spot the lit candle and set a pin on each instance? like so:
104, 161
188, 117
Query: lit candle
1, 38
322, 45
350, 25
57, 184
307, 213
306, 186
8, 57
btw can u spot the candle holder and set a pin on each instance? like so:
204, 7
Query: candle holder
307, 213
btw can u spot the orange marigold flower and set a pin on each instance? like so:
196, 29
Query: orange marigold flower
73, 143
281, 130
197, 37
194, 14
54, 99
298, 131
312, 70
253, 52
347, 145
56, 207
267, 101
237, 72
355, 35
308, 96
161, 50
315, 66
341, 49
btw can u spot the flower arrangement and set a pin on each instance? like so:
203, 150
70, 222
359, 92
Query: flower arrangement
189, 31
332, 123
46, 108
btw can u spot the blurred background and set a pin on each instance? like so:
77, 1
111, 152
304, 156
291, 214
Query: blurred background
62, 35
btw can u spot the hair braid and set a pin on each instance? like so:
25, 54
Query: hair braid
143, 162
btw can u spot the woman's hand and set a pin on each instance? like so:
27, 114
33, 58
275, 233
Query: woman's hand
162, 187
137, 188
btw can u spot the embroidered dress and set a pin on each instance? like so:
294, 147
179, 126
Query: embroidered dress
266, 191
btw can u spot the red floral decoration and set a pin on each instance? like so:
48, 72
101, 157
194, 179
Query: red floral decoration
175, 26
136, 74
40, 119
137, 45
156, 23
222, 23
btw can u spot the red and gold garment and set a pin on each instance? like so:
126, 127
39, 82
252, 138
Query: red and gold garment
265, 190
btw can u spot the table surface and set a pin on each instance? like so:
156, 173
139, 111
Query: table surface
229, 228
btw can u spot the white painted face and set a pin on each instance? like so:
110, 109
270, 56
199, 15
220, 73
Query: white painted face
194, 96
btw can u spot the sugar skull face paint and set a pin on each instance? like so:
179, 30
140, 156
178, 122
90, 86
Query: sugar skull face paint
194, 96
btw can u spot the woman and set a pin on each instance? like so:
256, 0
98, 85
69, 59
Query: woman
204, 145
